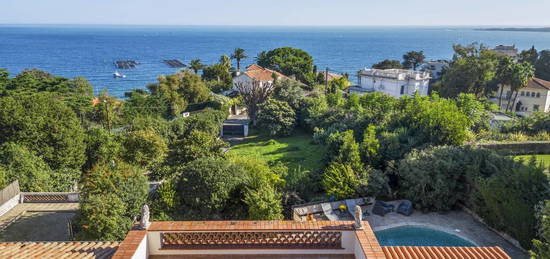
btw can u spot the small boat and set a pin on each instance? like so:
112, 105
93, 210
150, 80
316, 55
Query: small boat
118, 75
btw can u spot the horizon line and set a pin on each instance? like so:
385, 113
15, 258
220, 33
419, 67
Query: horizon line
271, 25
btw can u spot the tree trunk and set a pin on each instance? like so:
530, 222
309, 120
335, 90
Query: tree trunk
238, 65
508, 103
500, 98
515, 99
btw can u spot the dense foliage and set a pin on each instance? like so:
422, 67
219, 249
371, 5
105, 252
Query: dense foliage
277, 117
53, 129
388, 64
502, 191
541, 246
112, 195
290, 62
50, 130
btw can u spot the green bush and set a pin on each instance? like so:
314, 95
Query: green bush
340, 181
500, 190
277, 117
112, 195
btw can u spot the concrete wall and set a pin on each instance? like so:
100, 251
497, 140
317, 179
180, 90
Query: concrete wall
10, 204
519, 148
9, 197
142, 252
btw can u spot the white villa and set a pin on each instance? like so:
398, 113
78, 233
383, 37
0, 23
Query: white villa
532, 98
257, 73
394, 82
435, 67
507, 51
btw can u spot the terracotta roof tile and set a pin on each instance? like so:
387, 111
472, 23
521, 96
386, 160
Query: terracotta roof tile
249, 225
539, 84
58, 249
253, 67
431, 252
130, 244
264, 74
331, 76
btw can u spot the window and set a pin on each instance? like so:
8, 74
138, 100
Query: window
538, 95
535, 108
522, 93
402, 90
532, 94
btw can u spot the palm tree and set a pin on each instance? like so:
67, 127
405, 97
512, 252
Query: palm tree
504, 76
238, 54
523, 73
196, 65
225, 61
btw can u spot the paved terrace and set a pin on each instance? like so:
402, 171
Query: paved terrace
13, 214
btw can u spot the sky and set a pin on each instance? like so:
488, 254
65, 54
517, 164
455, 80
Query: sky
278, 12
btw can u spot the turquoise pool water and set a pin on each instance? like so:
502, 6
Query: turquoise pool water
418, 236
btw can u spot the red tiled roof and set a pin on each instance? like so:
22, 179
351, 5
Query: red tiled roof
249, 225
95, 101
331, 76
130, 244
58, 249
430, 252
262, 74
369, 244
538, 83
253, 67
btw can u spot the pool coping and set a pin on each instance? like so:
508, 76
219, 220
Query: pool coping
430, 226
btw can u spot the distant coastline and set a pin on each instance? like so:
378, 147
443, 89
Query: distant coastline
541, 29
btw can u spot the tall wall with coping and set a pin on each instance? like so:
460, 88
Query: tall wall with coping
9, 197
519, 148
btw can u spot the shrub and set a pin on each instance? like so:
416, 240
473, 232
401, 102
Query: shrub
433, 179
144, 147
18, 163
277, 117
340, 181
500, 190
206, 186
264, 203
115, 184
102, 218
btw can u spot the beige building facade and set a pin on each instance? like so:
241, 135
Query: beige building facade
535, 97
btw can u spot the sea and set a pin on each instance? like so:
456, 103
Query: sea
90, 51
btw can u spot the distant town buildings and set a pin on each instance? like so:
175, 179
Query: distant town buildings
435, 68
532, 98
507, 51
394, 82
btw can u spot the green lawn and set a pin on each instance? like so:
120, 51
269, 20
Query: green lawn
544, 159
294, 151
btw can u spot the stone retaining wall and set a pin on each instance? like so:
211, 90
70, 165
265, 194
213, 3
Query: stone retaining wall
519, 148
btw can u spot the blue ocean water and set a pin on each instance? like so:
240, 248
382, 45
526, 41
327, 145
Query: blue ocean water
418, 236
90, 51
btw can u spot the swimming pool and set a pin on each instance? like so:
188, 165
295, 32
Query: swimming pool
418, 236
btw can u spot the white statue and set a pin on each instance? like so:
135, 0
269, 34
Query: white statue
358, 217
144, 223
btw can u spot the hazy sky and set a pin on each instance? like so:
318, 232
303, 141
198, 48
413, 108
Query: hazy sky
277, 12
